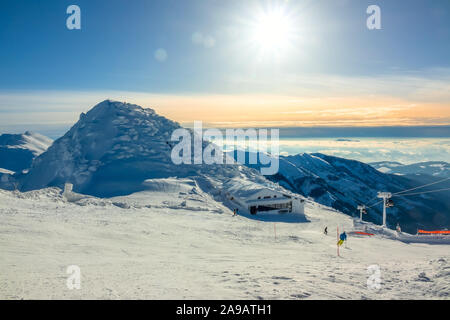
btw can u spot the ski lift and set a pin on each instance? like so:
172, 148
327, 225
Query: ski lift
389, 203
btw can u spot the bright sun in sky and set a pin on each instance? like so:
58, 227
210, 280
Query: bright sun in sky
272, 31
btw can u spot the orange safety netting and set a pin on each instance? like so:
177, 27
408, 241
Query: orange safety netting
434, 232
363, 233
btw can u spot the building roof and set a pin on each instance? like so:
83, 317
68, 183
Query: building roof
245, 189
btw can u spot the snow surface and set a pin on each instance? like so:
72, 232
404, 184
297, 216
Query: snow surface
17, 151
163, 231
32, 141
384, 170
174, 241
344, 184
6, 171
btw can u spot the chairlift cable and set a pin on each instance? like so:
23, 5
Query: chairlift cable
402, 192
370, 201
409, 194
426, 185
423, 192
375, 204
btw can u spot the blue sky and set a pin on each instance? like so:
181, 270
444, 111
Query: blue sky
334, 71
115, 47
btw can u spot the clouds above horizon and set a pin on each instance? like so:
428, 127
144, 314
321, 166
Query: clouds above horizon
320, 100
367, 150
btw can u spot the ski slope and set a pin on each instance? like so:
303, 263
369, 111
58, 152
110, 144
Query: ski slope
171, 242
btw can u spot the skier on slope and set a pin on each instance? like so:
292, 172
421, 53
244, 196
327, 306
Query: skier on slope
342, 238
325, 231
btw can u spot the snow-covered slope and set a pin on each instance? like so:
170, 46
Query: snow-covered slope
17, 151
344, 184
167, 231
439, 169
173, 241
113, 149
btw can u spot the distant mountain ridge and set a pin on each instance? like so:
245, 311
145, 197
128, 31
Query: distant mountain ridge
17, 151
116, 146
344, 184
432, 168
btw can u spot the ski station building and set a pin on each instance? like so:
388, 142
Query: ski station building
258, 199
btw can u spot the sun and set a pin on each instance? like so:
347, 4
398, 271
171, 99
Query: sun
272, 30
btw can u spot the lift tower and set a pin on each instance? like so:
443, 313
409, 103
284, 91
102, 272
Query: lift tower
362, 209
385, 196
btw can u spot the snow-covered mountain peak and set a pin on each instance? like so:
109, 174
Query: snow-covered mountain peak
113, 149
17, 151
34, 142
105, 108
112, 122
114, 141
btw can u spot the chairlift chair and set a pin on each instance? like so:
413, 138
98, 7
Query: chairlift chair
389, 203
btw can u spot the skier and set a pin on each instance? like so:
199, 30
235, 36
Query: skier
398, 228
342, 238
325, 231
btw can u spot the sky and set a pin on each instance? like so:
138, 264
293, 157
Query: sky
403, 150
218, 62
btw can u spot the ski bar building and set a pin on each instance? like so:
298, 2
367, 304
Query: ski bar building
258, 199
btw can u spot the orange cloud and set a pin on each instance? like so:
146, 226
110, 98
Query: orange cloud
234, 110
264, 110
